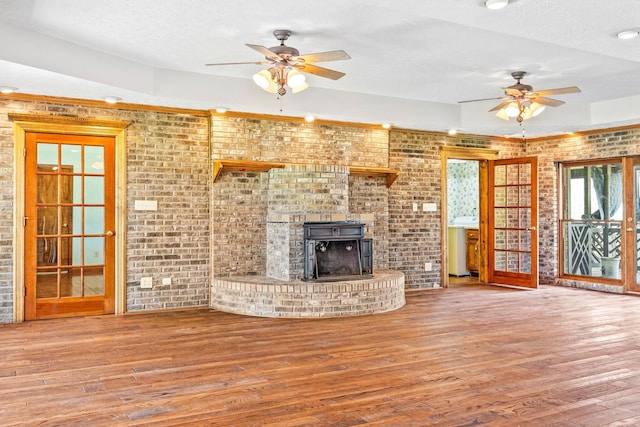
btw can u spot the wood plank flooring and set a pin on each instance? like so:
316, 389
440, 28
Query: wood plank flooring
467, 355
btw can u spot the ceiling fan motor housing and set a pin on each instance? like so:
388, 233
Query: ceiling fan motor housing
285, 51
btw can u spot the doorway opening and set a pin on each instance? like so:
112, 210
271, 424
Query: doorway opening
464, 214
463, 201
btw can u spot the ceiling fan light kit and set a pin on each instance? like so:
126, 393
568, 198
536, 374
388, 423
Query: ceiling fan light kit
286, 66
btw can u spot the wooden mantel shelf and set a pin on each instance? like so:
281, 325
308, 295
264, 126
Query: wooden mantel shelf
253, 166
390, 174
242, 166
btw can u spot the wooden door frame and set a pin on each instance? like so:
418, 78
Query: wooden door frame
508, 278
628, 226
482, 155
23, 123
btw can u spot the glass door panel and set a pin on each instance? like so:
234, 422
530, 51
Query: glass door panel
513, 236
72, 270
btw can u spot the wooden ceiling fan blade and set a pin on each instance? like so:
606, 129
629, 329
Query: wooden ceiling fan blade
547, 101
333, 55
501, 105
239, 63
320, 71
559, 91
481, 99
266, 52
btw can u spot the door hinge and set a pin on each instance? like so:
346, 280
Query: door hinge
24, 221
25, 291
24, 152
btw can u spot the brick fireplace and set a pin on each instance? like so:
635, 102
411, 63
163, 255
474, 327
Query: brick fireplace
312, 194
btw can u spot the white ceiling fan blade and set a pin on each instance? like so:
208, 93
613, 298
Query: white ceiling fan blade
481, 99
334, 55
547, 101
320, 71
272, 56
559, 91
501, 105
239, 63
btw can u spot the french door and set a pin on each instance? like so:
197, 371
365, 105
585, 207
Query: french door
69, 225
513, 219
632, 223
600, 222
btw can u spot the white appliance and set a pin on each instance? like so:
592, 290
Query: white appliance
457, 241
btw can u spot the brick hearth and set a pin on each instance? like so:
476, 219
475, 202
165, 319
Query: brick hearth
265, 297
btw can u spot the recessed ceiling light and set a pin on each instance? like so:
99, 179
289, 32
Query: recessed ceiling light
386, 125
112, 99
496, 4
7, 89
628, 34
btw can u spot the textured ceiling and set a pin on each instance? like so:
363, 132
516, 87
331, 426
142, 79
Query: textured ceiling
412, 60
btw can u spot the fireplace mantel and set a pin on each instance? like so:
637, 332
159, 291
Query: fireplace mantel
254, 166
242, 166
390, 174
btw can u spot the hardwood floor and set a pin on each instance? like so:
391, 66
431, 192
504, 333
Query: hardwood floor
461, 356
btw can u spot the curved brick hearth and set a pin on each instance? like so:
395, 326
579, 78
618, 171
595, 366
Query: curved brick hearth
261, 296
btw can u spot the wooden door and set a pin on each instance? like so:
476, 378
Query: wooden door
513, 221
631, 223
69, 223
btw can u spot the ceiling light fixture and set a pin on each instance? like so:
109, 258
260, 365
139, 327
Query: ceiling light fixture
112, 99
309, 118
496, 4
221, 110
628, 34
275, 78
452, 132
520, 110
386, 125
8, 89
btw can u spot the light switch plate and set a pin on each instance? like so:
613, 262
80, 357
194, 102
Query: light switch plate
146, 282
146, 205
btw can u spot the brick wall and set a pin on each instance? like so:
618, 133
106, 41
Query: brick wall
167, 156
415, 237
167, 161
592, 146
6, 217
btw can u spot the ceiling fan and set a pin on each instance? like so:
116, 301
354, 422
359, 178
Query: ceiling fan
286, 64
522, 102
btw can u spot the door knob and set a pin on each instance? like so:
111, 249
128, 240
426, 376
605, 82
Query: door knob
109, 233
532, 228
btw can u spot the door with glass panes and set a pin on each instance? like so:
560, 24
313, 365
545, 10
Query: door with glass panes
632, 224
600, 230
69, 225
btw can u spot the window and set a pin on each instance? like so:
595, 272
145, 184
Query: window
591, 221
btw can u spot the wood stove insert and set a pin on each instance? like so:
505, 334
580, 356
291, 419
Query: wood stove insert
336, 250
